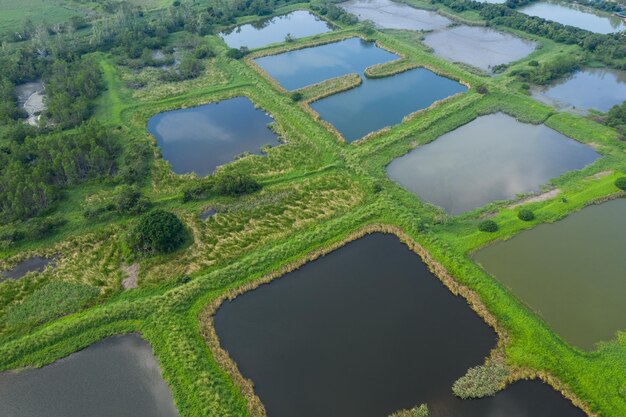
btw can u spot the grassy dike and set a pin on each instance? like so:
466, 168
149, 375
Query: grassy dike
318, 193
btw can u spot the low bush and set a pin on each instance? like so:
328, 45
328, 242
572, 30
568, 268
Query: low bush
481, 381
233, 184
488, 226
525, 215
621, 183
417, 411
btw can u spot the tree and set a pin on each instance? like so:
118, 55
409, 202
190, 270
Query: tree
158, 231
621, 183
525, 215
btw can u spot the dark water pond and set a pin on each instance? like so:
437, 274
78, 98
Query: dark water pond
384, 101
480, 47
118, 376
298, 24
571, 272
365, 331
591, 88
34, 264
575, 15
492, 158
199, 139
391, 15
297, 69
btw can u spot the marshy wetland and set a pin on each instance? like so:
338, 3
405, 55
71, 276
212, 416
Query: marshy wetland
570, 272
469, 247
199, 139
298, 24
364, 331
118, 376
498, 158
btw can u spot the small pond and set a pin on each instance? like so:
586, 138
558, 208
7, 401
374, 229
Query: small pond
480, 47
34, 264
492, 158
391, 15
30, 98
382, 102
363, 332
591, 88
302, 67
571, 272
298, 24
573, 15
199, 139
118, 376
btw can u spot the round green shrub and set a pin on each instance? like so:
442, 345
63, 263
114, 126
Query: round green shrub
296, 96
158, 231
621, 183
526, 215
488, 226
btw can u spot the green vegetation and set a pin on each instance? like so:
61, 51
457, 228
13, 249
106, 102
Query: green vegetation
488, 226
417, 411
481, 381
526, 215
158, 231
621, 183
308, 195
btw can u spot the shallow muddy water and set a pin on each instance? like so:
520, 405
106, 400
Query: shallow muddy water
298, 24
382, 102
571, 272
391, 15
591, 88
299, 68
364, 331
199, 139
30, 98
34, 264
118, 376
480, 47
582, 17
494, 157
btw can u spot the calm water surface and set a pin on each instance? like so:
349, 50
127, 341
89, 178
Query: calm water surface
571, 272
118, 376
199, 139
481, 47
568, 14
297, 69
298, 24
365, 331
591, 88
34, 264
384, 101
391, 15
491, 158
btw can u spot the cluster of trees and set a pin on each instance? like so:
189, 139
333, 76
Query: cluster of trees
224, 184
616, 117
335, 13
547, 71
125, 200
34, 172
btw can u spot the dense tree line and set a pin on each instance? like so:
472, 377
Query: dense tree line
34, 172
548, 70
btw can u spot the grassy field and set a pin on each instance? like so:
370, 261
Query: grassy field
38, 11
318, 192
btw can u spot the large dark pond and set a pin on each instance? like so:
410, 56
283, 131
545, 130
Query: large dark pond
571, 272
199, 139
575, 15
34, 264
391, 15
298, 24
118, 376
591, 88
384, 101
297, 69
480, 47
492, 158
363, 332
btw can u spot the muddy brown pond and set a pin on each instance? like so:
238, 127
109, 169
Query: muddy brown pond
363, 332
118, 376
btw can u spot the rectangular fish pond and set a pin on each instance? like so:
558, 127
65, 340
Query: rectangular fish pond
298, 24
494, 157
362, 332
572, 272
199, 139
376, 103
388, 14
118, 376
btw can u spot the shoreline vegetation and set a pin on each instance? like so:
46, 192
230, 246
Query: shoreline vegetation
317, 194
